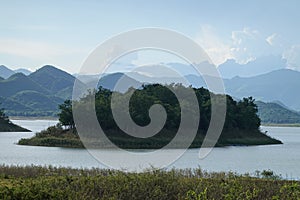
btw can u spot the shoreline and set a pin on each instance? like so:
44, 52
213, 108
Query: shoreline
32, 118
281, 125
56, 119
54, 137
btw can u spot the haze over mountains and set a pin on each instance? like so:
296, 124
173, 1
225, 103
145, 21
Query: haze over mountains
40, 92
6, 72
261, 65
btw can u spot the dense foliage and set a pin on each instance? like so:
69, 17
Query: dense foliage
65, 183
241, 115
3, 118
65, 115
241, 125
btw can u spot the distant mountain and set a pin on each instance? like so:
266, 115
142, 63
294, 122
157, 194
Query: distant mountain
43, 90
5, 72
273, 113
37, 94
109, 81
280, 85
261, 65
277, 86
23, 71
55, 80
17, 83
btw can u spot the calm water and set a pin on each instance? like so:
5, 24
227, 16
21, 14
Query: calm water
282, 159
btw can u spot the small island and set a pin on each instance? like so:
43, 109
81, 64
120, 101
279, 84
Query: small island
7, 126
241, 128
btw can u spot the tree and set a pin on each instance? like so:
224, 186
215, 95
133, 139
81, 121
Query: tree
3, 117
66, 115
247, 114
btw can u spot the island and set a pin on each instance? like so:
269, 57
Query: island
7, 126
241, 128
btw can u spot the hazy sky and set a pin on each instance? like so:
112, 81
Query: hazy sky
63, 33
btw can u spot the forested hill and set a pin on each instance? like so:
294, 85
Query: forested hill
39, 93
242, 124
273, 113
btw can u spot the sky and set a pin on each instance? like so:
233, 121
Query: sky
63, 33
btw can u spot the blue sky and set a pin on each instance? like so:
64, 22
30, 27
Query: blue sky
63, 33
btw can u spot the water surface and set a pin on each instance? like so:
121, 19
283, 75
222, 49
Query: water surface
282, 159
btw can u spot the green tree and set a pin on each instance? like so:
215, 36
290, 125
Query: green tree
3, 117
247, 114
66, 115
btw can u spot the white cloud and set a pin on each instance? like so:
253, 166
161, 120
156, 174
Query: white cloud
292, 55
34, 49
33, 54
270, 39
239, 36
246, 45
218, 50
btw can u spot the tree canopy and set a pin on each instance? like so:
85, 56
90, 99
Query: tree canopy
241, 123
3, 118
241, 115
66, 115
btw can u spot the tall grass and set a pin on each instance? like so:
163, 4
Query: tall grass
35, 182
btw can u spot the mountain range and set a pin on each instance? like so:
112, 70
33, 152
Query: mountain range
39, 93
6, 72
273, 113
261, 65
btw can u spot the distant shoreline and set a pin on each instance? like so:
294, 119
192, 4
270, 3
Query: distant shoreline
56, 119
281, 125
32, 118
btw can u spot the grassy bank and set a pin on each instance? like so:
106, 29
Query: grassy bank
58, 137
66, 183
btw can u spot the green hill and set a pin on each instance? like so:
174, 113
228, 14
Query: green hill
38, 94
273, 113
55, 80
281, 85
19, 82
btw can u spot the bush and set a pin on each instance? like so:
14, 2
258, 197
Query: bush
35, 182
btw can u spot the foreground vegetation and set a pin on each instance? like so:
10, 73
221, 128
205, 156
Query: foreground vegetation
7, 126
33, 182
241, 125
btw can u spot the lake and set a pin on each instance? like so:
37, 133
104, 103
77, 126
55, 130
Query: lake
283, 159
